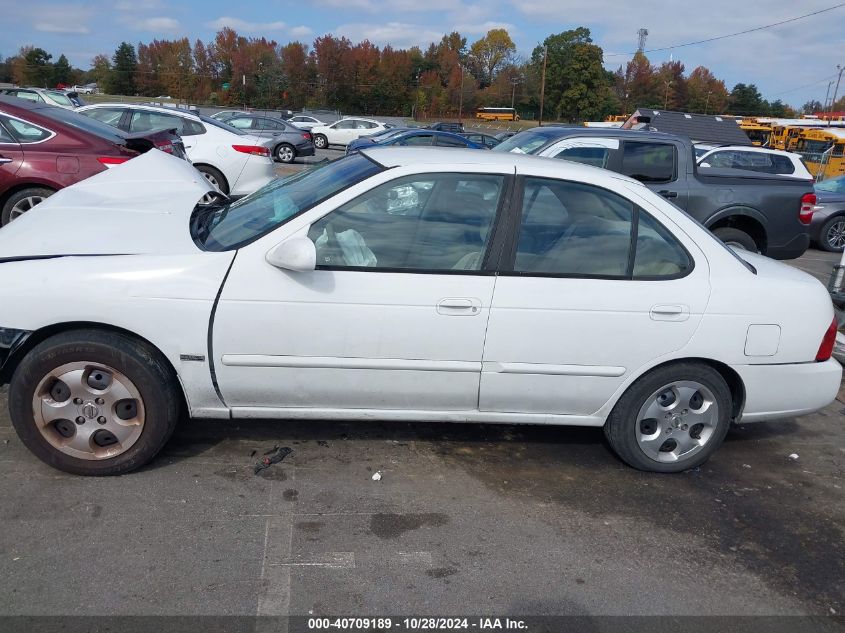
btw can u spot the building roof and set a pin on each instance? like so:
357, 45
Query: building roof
703, 128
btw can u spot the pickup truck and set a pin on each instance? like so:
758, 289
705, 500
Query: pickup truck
759, 212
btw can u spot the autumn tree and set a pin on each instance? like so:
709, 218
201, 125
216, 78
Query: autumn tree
705, 93
638, 85
491, 53
100, 70
673, 85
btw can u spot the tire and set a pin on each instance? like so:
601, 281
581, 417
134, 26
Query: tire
637, 427
22, 201
737, 238
131, 373
832, 235
214, 177
320, 141
285, 153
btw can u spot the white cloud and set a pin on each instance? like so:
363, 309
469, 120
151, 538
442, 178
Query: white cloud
245, 26
62, 18
481, 29
397, 34
154, 24
300, 31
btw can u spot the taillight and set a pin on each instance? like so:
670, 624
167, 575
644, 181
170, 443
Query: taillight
808, 205
306, 136
255, 150
826, 348
165, 147
111, 160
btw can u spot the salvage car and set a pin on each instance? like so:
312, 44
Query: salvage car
396, 284
43, 149
758, 212
345, 131
414, 138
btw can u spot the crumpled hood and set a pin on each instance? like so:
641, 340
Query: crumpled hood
141, 206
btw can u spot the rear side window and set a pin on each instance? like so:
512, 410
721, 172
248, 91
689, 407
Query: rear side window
109, 116
446, 141
24, 132
595, 156
575, 230
146, 121
649, 162
5, 137
29, 96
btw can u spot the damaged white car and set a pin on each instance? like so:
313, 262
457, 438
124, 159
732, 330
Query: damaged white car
396, 284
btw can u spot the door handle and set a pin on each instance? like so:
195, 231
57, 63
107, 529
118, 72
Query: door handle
4, 160
673, 312
668, 194
459, 306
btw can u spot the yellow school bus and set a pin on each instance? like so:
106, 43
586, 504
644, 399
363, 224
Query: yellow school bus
757, 131
785, 136
497, 114
823, 151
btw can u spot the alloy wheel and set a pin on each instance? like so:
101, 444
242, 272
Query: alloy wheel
285, 154
836, 235
24, 205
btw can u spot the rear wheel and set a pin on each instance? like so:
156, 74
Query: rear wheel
833, 235
736, 238
216, 178
91, 402
285, 153
22, 201
671, 419
320, 141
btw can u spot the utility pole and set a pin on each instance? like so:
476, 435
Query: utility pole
461, 100
835, 90
707, 103
543, 85
666, 100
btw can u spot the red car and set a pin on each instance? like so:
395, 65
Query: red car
44, 148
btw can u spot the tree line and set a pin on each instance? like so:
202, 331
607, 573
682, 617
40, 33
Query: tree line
447, 78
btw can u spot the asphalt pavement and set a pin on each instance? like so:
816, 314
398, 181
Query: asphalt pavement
465, 519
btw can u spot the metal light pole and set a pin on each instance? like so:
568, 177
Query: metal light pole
835, 90
543, 85
666, 100
707, 103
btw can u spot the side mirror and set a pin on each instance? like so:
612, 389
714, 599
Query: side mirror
297, 253
704, 165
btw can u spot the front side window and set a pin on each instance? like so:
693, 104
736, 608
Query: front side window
595, 156
145, 121
649, 162
29, 96
572, 229
446, 141
346, 124
60, 98
236, 224
417, 139
24, 132
430, 222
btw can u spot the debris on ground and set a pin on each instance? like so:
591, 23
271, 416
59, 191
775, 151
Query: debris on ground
273, 456
746, 465
793, 456
377, 476
252, 454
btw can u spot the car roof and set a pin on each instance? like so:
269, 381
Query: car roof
142, 106
392, 156
751, 148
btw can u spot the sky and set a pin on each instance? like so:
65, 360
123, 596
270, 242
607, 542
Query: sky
792, 62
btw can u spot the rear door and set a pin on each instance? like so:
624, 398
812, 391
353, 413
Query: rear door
594, 287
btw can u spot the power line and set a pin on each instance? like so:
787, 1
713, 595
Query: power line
815, 83
722, 37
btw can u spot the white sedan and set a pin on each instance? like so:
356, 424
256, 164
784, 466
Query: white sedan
235, 164
396, 284
305, 122
345, 131
750, 158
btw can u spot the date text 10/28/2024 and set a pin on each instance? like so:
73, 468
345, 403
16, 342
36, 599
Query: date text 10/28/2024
417, 624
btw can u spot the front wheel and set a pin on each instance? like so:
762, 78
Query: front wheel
320, 141
91, 402
833, 235
671, 419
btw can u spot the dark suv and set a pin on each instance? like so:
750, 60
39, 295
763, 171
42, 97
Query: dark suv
447, 126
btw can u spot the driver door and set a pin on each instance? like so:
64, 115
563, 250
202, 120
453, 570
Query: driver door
393, 317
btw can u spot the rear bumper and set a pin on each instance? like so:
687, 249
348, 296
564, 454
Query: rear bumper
785, 391
257, 172
791, 249
306, 149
